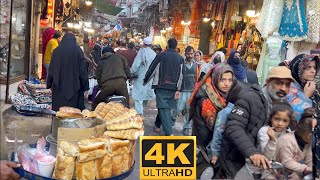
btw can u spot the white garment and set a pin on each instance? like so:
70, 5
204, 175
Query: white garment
140, 66
270, 17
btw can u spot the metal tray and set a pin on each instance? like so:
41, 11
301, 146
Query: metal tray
31, 176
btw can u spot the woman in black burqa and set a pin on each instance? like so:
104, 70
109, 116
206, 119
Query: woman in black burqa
67, 78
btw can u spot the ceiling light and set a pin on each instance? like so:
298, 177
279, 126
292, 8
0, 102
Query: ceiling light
169, 28
88, 3
206, 19
251, 13
213, 24
185, 23
163, 31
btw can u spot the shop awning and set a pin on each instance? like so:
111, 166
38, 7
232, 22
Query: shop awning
104, 7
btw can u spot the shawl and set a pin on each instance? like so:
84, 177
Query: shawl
238, 69
299, 64
215, 100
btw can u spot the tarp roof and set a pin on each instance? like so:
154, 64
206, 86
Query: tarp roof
104, 7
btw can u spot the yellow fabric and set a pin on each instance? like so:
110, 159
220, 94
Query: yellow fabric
52, 44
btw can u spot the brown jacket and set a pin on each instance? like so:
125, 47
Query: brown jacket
289, 154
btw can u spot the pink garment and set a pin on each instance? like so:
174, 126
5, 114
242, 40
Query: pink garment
46, 36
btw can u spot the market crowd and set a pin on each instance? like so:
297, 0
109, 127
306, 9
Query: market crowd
241, 126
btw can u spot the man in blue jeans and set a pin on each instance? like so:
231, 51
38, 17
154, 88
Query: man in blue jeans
166, 71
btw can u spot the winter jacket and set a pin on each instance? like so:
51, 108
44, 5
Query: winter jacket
240, 136
290, 155
166, 71
111, 66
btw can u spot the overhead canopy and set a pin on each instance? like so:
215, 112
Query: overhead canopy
104, 7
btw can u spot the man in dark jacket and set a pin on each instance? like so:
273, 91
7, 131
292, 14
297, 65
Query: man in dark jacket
251, 74
249, 114
166, 71
112, 73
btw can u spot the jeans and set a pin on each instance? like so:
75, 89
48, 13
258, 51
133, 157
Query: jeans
139, 105
167, 110
182, 105
47, 68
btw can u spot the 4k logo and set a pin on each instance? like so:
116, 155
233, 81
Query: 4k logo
163, 157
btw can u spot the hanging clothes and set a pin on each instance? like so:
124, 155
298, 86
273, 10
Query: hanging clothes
293, 25
313, 18
270, 57
267, 21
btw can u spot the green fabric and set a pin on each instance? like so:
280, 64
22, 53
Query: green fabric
104, 7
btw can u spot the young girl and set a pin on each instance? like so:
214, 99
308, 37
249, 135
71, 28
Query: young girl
279, 123
294, 149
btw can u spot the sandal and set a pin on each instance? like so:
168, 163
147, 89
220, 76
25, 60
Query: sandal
156, 129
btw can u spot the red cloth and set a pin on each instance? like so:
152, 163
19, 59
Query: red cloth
46, 36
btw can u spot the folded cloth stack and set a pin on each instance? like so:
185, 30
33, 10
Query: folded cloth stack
39, 92
20, 99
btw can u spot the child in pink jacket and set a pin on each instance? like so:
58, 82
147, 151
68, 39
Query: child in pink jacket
294, 149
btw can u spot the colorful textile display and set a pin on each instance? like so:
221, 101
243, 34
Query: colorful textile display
267, 21
270, 57
313, 18
293, 25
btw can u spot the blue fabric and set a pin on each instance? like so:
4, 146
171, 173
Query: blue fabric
298, 101
293, 25
238, 69
215, 144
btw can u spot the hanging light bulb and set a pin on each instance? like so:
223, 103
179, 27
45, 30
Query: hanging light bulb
251, 13
213, 24
88, 3
206, 19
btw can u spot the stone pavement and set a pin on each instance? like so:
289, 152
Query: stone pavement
29, 129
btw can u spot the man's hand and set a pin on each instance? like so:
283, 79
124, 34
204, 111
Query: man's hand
309, 88
260, 160
7, 172
214, 160
271, 134
177, 95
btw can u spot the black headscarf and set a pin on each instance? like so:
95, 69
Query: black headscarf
299, 64
67, 71
238, 69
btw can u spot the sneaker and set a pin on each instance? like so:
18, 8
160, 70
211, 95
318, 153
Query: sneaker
156, 129
187, 132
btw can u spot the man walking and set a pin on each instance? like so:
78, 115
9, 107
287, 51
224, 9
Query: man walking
166, 71
141, 94
189, 72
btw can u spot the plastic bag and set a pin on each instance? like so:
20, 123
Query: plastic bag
26, 159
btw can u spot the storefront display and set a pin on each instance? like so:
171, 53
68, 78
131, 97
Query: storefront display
15, 37
4, 36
